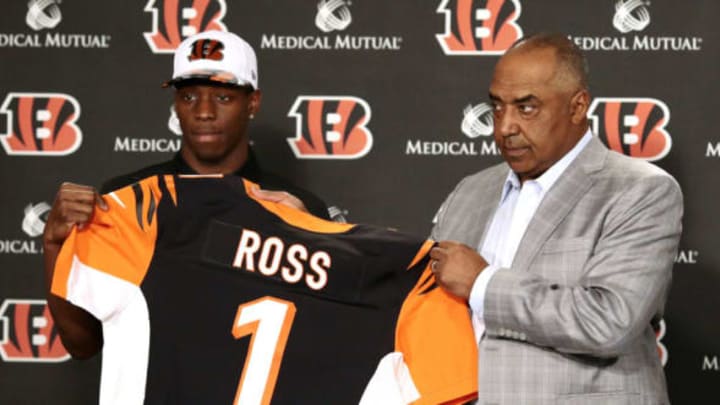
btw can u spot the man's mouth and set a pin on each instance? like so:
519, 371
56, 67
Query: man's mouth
206, 135
515, 152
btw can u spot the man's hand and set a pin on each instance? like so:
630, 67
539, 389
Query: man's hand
456, 266
74, 205
282, 197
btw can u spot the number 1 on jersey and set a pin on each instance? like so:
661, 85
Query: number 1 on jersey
268, 321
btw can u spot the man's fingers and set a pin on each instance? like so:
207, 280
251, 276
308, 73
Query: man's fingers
66, 209
71, 192
437, 253
267, 195
76, 192
77, 188
282, 197
74, 205
68, 218
447, 244
76, 217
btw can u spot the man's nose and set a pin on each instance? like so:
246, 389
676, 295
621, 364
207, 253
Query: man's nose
506, 123
205, 108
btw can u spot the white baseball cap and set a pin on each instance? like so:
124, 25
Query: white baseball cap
216, 56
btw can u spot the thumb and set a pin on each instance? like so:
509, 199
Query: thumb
100, 202
267, 195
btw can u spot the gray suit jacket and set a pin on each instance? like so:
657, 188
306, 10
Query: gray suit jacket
570, 322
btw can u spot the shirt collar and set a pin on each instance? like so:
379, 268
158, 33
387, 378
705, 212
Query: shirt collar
547, 179
250, 170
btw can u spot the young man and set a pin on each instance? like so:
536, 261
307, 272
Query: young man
216, 96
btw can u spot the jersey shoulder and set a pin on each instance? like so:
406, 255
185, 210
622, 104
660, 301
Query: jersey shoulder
118, 182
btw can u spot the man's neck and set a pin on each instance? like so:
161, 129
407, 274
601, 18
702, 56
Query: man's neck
227, 165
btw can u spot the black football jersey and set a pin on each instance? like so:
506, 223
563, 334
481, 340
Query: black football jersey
208, 296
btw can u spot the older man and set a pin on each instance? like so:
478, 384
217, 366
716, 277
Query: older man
564, 251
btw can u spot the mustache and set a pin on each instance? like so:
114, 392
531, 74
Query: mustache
512, 142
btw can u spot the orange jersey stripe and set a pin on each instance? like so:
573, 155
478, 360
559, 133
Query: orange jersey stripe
422, 253
120, 241
439, 346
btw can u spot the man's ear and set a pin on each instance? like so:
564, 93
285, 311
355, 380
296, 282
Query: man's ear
174, 121
254, 102
579, 104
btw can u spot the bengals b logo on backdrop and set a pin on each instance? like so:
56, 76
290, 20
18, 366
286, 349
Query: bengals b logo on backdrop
41, 124
27, 333
632, 126
175, 20
479, 27
330, 127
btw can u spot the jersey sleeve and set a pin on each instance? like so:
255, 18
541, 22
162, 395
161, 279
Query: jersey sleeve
434, 333
101, 265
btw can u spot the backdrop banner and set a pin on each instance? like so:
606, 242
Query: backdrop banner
406, 81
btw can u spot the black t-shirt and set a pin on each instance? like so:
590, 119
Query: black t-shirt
251, 171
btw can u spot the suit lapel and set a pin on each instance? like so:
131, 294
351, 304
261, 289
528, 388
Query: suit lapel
488, 201
560, 200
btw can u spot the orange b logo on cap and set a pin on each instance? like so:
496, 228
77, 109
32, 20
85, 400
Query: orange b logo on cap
206, 49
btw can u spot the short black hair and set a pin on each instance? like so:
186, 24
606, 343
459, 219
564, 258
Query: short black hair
569, 55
